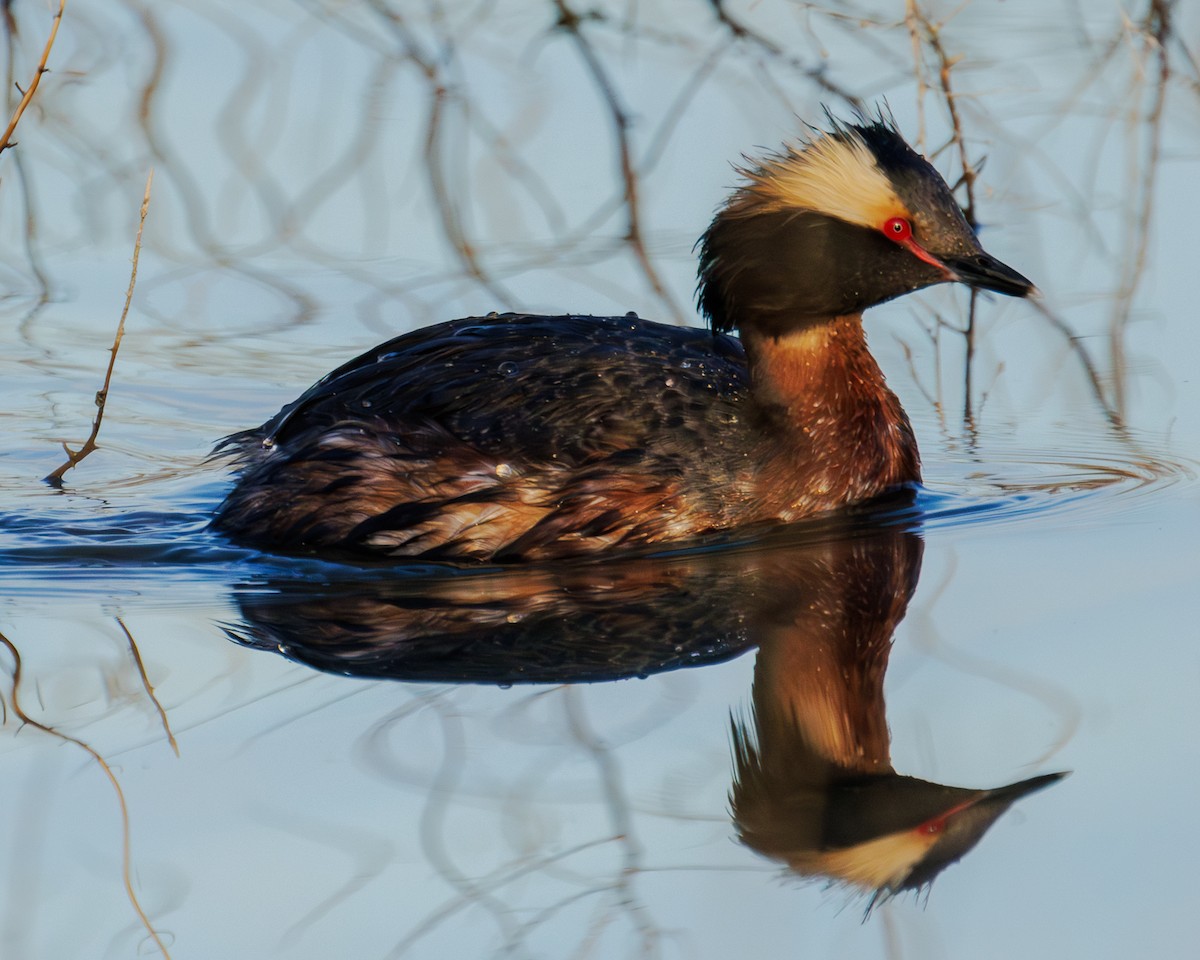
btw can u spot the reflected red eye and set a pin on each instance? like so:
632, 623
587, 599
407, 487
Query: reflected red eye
897, 229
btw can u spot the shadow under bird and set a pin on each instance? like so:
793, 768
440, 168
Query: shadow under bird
515, 437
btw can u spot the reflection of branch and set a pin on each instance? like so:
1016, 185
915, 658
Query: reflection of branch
619, 816
440, 93
1055, 698
457, 905
570, 21
55, 478
494, 890
435, 835
141, 668
194, 198
6, 137
30, 232
126, 858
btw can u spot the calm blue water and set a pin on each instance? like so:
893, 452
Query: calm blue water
1034, 612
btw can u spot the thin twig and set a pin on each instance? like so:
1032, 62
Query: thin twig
5, 140
741, 31
915, 16
126, 856
73, 457
1111, 413
141, 667
1156, 29
914, 34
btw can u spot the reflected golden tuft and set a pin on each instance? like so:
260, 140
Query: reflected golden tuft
878, 864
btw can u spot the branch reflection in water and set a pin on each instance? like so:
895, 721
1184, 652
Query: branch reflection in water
813, 784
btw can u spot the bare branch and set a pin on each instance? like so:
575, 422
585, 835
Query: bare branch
1089, 367
73, 457
917, 19
816, 74
27, 98
1156, 29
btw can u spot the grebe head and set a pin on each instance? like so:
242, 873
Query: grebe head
833, 225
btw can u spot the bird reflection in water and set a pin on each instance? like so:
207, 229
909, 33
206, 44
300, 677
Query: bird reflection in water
813, 784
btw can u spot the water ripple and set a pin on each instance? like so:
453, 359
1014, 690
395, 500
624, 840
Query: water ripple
1014, 484
119, 551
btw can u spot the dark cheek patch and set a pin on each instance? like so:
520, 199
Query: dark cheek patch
788, 267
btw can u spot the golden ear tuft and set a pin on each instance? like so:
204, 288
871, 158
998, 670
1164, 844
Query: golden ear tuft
835, 174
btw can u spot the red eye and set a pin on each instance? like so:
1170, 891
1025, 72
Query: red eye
897, 229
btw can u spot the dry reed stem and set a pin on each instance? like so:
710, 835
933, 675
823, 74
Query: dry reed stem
27, 98
73, 457
126, 855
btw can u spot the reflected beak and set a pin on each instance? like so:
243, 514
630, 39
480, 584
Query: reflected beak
985, 272
1015, 791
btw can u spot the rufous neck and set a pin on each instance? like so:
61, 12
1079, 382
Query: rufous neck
836, 434
801, 365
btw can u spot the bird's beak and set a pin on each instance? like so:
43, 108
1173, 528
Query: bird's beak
985, 272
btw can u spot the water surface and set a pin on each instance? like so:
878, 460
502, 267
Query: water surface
328, 175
